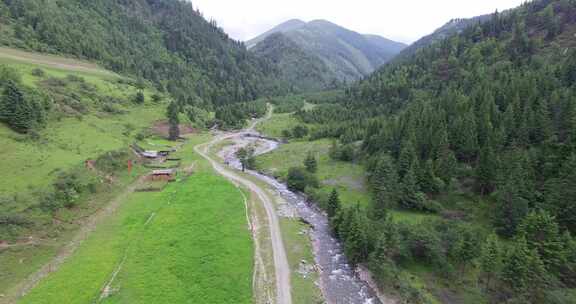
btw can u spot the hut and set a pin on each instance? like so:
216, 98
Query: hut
163, 175
150, 154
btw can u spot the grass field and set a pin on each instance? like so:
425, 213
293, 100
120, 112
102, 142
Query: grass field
187, 244
69, 141
297, 244
65, 143
278, 123
348, 178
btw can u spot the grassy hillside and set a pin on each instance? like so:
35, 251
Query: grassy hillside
167, 42
91, 113
73, 137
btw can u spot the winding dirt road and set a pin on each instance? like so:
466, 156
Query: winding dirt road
282, 269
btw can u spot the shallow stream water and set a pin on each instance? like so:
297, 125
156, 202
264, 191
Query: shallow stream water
339, 282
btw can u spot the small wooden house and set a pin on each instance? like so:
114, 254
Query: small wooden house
163, 175
150, 154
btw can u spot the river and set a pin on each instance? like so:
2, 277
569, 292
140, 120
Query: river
339, 281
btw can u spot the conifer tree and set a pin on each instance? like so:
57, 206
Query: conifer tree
523, 271
512, 206
486, 171
407, 159
427, 179
491, 261
385, 185
333, 205
16, 110
543, 235
356, 244
173, 121
310, 163
446, 166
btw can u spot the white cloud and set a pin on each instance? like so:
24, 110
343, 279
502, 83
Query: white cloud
402, 20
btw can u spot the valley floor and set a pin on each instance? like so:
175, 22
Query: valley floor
188, 243
349, 179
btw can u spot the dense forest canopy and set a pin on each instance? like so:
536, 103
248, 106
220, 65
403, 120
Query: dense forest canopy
488, 114
164, 41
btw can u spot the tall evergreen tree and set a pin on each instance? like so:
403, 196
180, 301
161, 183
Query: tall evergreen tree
311, 163
543, 235
173, 121
511, 209
20, 112
385, 186
486, 171
333, 205
524, 272
491, 261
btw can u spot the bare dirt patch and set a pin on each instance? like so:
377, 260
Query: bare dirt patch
162, 128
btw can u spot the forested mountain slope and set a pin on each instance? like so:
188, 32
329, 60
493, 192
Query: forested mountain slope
164, 41
479, 131
454, 26
348, 55
303, 70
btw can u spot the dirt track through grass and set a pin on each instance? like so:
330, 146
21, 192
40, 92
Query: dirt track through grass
86, 228
52, 61
282, 268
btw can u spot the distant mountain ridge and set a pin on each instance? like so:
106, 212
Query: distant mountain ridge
348, 55
452, 27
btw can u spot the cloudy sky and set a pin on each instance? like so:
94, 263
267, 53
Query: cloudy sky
401, 20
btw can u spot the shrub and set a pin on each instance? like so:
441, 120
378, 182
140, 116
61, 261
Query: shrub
299, 179
156, 98
139, 98
54, 82
299, 131
112, 161
74, 78
38, 72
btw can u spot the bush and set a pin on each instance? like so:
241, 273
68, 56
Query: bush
110, 108
156, 98
74, 78
11, 225
50, 203
38, 72
112, 161
299, 179
54, 82
299, 131
139, 98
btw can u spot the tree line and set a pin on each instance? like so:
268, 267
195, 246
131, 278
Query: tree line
489, 113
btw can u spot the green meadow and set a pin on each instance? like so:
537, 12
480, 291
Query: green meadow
31, 164
187, 244
348, 178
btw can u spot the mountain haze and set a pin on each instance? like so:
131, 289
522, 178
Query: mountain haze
348, 55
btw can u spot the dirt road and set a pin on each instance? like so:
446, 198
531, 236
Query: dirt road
282, 269
52, 61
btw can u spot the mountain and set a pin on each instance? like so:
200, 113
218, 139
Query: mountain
281, 28
385, 43
476, 132
302, 70
164, 41
348, 55
453, 27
